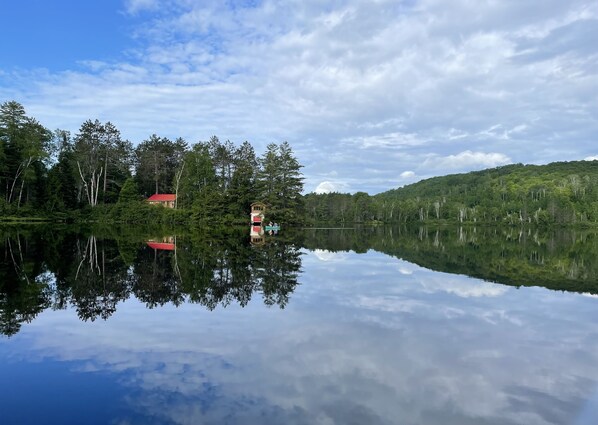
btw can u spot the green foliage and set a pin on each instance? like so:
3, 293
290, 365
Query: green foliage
129, 192
562, 193
24, 147
242, 191
156, 160
98, 176
102, 160
94, 270
280, 183
197, 177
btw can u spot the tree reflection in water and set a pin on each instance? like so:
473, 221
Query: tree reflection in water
92, 272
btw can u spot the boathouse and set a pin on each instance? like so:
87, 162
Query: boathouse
258, 209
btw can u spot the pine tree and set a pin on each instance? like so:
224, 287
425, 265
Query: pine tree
24, 144
280, 183
129, 192
242, 191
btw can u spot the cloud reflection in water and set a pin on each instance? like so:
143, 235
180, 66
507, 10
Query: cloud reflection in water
360, 342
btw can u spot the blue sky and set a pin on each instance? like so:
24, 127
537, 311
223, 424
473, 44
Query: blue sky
372, 95
57, 35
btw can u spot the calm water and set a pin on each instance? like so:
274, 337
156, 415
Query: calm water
354, 326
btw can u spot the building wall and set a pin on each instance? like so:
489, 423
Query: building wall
167, 204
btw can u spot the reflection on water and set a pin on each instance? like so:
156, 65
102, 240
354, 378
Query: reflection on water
384, 328
93, 274
561, 259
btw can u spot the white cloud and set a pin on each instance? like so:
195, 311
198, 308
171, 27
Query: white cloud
389, 140
405, 271
330, 256
407, 174
466, 160
461, 287
591, 158
329, 187
394, 80
136, 6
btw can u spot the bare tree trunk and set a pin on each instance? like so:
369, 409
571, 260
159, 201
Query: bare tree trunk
156, 169
21, 193
178, 180
105, 175
84, 183
92, 181
97, 190
20, 170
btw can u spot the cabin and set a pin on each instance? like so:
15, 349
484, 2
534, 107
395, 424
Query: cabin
167, 200
258, 209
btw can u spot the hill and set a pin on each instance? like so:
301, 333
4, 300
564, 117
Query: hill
557, 193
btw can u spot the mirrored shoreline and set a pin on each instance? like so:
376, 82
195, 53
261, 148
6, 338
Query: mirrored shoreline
95, 270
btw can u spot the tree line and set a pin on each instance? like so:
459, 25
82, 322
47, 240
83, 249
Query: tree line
561, 193
97, 173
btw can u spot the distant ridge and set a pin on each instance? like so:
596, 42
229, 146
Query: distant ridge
560, 193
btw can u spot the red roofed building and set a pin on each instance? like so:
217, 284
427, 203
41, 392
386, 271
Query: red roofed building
168, 243
161, 246
165, 199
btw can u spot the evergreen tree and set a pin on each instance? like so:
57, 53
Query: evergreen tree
242, 191
24, 145
156, 161
280, 183
129, 192
197, 183
222, 155
290, 183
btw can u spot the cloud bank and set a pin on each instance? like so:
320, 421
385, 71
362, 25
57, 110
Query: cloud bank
362, 89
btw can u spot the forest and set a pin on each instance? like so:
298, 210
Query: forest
97, 175
561, 193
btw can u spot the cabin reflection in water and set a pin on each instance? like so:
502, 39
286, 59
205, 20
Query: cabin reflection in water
167, 243
257, 235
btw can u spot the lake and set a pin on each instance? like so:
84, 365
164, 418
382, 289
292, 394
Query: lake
378, 325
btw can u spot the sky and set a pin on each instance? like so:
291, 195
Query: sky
371, 94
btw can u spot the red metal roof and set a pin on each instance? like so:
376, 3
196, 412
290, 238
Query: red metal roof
162, 197
161, 246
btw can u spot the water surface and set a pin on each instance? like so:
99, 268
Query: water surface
354, 326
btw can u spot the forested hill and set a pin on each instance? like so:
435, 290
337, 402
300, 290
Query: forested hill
557, 193
509, 178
